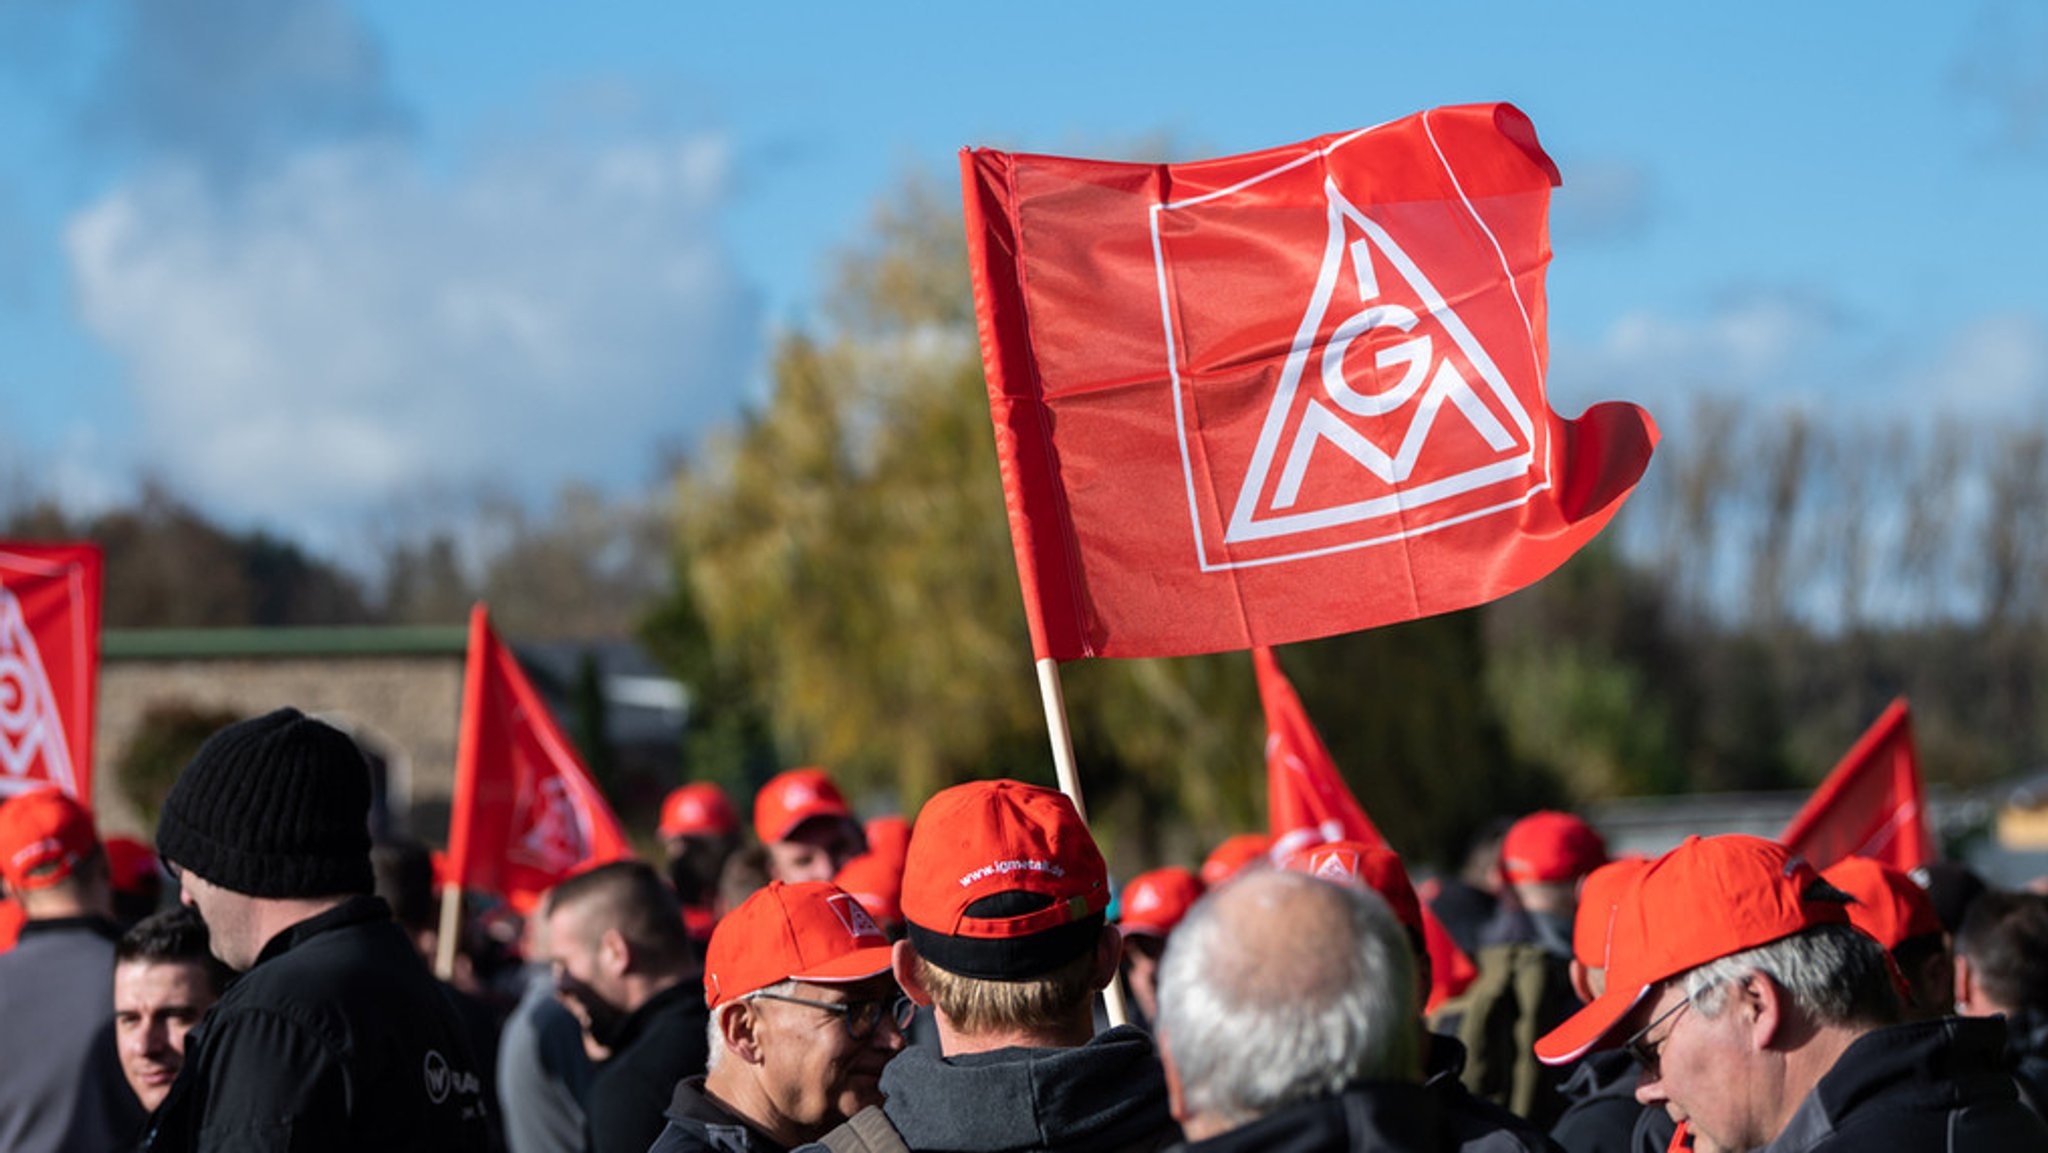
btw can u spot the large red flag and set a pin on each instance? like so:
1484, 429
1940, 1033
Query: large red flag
49, 665
1872, 804
1307, 801
526, 813
1281, 395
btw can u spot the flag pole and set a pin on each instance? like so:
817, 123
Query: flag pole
451, 931
1062, 736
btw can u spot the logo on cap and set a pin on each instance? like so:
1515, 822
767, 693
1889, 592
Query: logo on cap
1337, 866
854, 917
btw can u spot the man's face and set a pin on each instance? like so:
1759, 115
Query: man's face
814, 1074
814, 850
1703, 1069
584, 982
230, 920
155, 1004
1142, 952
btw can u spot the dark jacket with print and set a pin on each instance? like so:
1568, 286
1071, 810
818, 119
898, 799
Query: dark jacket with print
698, 1123
338, 1038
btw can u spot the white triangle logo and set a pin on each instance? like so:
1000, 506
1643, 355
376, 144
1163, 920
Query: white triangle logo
854, 916
1378, 393
30, 727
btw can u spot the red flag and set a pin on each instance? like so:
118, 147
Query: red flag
1871, 805
526, 813
1307, 801
1282, 395
49, 665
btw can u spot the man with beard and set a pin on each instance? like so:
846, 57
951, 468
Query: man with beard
623, 965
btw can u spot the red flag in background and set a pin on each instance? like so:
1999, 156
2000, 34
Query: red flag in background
1308, 804
1872, 803
526, 813
49, 665
1307, 801
1281, 395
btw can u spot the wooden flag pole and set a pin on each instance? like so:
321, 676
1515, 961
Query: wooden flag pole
451, 932
1070, 783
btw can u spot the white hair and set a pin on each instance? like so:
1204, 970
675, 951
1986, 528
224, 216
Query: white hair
1281, 988
1833, 973
714, 1033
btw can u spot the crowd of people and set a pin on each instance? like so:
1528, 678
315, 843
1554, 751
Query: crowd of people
952, 983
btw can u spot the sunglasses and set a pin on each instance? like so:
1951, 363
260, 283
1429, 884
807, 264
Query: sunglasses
1646, 1056
860, 1017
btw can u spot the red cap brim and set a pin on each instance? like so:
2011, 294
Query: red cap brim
858, 965
1582, 1031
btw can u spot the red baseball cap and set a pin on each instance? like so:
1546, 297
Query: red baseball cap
876, 876
810, 931
789, 799
1364, 866
1598, 894
1233, 856
1551, 846
44, 834
1704, 900
1888, 906
698, 809
1153, 903
1002, 881
131, 865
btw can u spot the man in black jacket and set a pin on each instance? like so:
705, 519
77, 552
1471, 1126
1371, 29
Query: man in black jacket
336, 1037
1762, 1019
625, 967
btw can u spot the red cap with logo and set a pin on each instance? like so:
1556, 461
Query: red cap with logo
1598, 894
1888, 906
44, 834
1551, 846
1706, 899
1233, 856
789, 799
698, 809
810, 931
1002, 881
1153, 903
1364, 866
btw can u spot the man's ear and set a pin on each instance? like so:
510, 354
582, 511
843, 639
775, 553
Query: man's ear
1582, 982
903, 962
1764, 1003
614, 953
1176, 1102
736, 1027
1966, 987
1109, 957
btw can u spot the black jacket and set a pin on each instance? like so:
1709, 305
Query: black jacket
1601, 1112
1938, 1086
1372, 1117
1107, 1095
2027, 1054
337, 1038
1478, 1125
698, 1123
659, 1044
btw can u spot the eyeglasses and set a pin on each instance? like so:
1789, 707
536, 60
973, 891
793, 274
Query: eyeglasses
1646, 1056
859, 1017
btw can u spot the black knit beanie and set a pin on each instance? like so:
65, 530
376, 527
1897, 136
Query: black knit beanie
277, 806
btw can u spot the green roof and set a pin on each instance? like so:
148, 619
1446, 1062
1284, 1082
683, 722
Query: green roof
380, 641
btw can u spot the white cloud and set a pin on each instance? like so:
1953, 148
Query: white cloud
1997, 365
349, 327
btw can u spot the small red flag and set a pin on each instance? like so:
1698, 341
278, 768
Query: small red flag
1282, 395
1872, 803
526, 813
49, 665
1308, 804
1307, 801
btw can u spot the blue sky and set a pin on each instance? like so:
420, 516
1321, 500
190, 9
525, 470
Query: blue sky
316, 263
